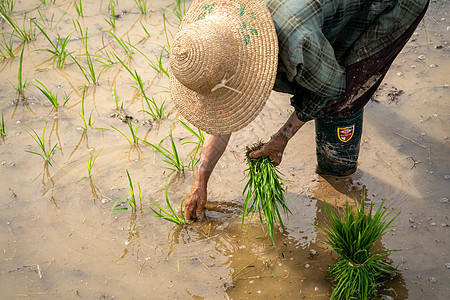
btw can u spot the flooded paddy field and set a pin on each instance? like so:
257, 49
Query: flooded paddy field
58, 239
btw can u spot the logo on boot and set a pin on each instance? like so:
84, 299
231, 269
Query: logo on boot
345, 134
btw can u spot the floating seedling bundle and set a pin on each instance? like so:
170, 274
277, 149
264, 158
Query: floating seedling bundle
358, 272
264, 193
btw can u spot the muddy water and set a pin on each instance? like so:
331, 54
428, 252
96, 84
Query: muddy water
57, 237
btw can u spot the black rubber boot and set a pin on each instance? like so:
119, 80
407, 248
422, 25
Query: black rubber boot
337, 144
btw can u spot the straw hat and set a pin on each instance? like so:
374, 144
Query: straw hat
223, 63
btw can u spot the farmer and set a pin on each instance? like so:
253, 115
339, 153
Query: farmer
331, 55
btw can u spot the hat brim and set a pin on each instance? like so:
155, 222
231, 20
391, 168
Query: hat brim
225, 110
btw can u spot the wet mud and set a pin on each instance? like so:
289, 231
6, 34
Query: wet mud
57, 236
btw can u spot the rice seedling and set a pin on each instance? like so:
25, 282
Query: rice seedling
180, 10
7, 6
142, 6
131, 200
134, 141
23, 33
46, 153
112, 14
136, 77
145, 30
48, 1
7, 46
200, 139
358, 271
59, 49
2, 127
21, 82
116, 100
79, 8
155, 111
170, 214
170, 157
165, 29
53, 98
90, 163
89, 73
82, 113
67, 97
123, 44
44, 21
105, 59
264, 192
77, 27
158, 67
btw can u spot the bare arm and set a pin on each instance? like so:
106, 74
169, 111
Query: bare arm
275, 147
212, 150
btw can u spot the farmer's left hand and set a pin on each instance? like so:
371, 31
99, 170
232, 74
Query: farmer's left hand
273, 149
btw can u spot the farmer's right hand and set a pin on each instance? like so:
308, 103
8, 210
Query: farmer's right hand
212, 150
194, 205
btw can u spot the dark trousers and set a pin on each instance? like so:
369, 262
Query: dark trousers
338, 133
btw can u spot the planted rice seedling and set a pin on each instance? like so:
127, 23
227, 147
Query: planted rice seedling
2, 127
59, 49
180, 10
112, 14
359, 270
23, 33
7, 46
169, 215
264, 192
21, 82
46, 153
6, 6
44, 21
82, 114
134, 141
155, 111
90, 163
79, 8
89, 73
145, 30
170, 157
48, 94
200, 139
142, 6
77, 27
123, 44
131, 200
166, 31
158, 67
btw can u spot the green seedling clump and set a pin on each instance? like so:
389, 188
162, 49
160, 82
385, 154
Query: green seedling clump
169, 215
263, 192
358, 272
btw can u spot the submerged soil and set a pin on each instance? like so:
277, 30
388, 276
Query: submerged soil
58, 240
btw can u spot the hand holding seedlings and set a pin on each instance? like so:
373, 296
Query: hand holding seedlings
274, 148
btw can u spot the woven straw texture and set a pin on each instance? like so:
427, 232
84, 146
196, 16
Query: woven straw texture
228, 42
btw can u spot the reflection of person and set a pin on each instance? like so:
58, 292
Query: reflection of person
332, 55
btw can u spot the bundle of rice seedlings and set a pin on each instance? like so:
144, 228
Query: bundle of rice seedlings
358, 272
264, 192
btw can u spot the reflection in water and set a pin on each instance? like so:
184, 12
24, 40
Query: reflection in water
55, 130
84, 136
48, 183
96, 194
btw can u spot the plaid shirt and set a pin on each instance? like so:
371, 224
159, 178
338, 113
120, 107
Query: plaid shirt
319, 38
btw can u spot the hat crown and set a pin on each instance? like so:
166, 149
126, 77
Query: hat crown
203, 52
